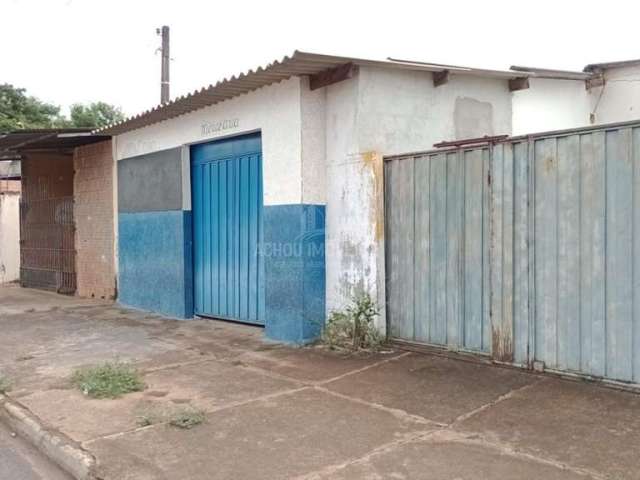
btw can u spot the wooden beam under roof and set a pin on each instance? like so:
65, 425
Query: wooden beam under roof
440, 78
331, 76
520, 83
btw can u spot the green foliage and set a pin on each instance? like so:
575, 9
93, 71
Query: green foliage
108, 380
187, 418
353, 328
19, 111
5, 386
94, 115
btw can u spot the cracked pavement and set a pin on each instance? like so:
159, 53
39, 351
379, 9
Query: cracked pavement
306, 413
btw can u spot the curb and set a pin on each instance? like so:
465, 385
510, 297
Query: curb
58, 448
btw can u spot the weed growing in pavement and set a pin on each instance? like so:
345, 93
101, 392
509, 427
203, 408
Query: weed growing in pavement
5, 385
353, 327
187, 418
108, 380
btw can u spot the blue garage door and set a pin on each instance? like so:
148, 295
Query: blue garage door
226, 178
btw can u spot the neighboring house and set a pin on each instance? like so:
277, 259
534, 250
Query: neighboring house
603, 93
66, 211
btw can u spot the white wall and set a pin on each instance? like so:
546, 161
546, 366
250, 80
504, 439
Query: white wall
550, 104
275, 110
9, 237
382, 112
619, 99
313, 143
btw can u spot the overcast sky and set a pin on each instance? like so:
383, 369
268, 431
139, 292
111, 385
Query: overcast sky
66, 51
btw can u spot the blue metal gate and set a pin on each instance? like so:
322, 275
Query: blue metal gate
528, 249
437, 244
226, 179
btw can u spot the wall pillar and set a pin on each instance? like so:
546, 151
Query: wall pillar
293, 251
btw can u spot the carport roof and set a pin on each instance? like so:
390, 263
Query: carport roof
300, 63
13, 143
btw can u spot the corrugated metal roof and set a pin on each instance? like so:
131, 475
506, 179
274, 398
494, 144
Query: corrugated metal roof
551, 73
11, 144
603, 66
300, 63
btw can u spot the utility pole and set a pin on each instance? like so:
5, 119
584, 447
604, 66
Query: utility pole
164, 71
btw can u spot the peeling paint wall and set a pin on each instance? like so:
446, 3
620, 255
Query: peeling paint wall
382, 112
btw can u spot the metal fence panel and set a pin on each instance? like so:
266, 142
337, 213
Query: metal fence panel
529, 249
437, 270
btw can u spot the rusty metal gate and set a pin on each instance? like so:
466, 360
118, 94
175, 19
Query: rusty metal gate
47, 244
563, 251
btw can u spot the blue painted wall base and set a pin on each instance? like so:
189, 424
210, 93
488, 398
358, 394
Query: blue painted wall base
155, 262
294, 263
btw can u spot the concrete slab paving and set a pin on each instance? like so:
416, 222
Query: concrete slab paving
275, 411
14, 299
446, 456
206, 385
212, 384
571, 422
51, 344
82, 418
276, 438
313, 364
437, 388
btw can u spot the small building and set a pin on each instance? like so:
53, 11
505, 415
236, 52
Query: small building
66, 222
272, 197
260, 198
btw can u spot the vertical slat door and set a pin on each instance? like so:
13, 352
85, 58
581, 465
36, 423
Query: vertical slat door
436, 249
227, 202
585, 240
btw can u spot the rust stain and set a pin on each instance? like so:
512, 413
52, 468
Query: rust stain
502, 350
373, 162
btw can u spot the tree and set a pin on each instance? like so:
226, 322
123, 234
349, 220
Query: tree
18, 110
94, 115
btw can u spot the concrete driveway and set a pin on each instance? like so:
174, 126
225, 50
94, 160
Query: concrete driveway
278, 412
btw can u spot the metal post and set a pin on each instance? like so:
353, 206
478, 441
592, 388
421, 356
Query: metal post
164, 79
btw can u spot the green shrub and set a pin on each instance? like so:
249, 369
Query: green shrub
353, 328
108, 380
187, 418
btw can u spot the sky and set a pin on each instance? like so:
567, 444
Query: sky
69, 51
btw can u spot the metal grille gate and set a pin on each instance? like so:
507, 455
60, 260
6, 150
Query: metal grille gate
47, 230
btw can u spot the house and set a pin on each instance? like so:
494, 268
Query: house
271, 197
318, 127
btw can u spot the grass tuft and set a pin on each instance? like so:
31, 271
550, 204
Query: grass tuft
108, 380
5, 385
187, 418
